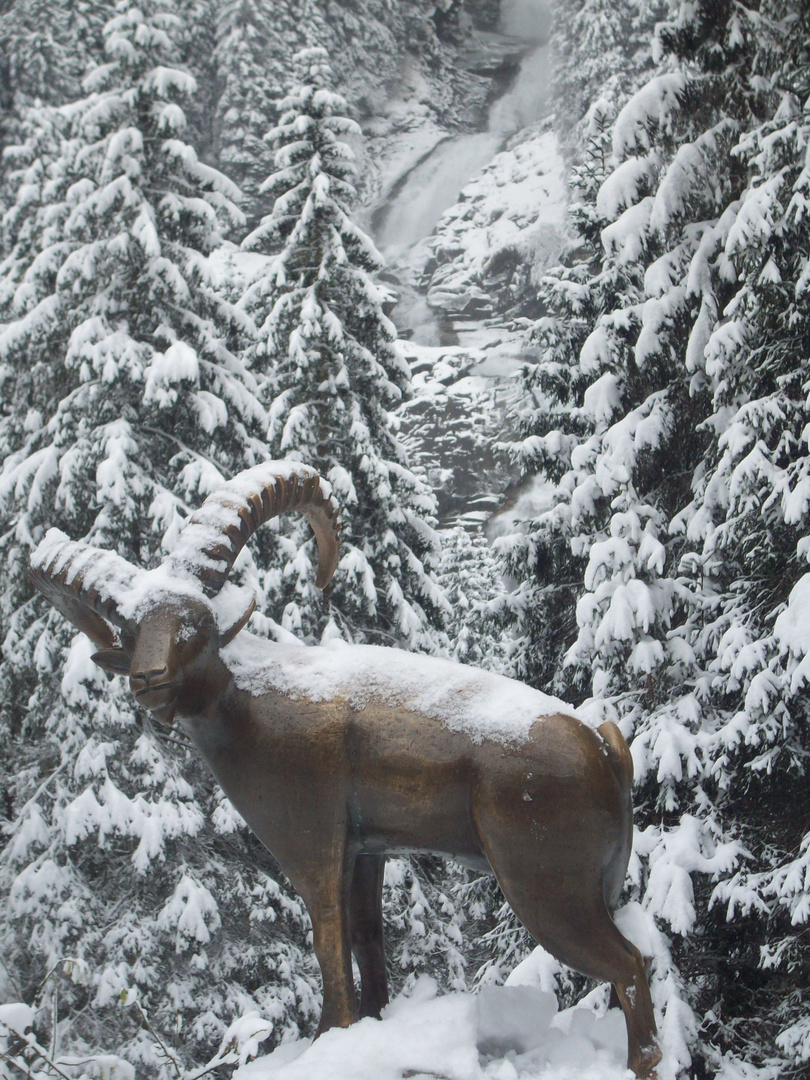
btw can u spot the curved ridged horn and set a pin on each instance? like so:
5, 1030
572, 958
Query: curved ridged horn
84, 583
216, 533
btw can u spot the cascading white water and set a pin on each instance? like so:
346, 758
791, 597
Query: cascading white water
526, 99
435, 183
432, 186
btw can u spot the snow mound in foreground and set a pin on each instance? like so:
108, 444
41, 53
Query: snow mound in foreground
501, 1033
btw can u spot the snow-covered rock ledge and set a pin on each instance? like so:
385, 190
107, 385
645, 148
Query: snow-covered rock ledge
502, 1033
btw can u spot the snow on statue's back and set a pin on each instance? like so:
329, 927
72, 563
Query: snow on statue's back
478, 703
340, 755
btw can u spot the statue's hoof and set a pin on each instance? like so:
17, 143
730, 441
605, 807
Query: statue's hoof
644, 1065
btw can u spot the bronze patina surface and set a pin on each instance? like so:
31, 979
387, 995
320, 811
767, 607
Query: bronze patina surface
331, 788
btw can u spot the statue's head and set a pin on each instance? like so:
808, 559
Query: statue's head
163, 627
175, 637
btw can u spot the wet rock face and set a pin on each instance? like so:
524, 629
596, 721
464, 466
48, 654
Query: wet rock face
484, 13
447, 19
373, 43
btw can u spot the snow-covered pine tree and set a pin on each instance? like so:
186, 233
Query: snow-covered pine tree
333, 376
600, 49
470, 575
704, 735
694, 652
126, 407
612, 399
748, 526
252, 59
539, 555
45, 46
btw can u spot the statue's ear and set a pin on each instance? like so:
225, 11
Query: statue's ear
227, 635
113, 660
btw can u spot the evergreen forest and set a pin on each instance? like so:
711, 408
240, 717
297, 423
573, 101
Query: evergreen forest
528, 283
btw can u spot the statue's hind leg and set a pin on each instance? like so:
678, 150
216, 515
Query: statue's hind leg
368, 943
633, 991
568, 916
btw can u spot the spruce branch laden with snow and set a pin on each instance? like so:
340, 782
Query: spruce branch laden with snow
123, 402
332, 375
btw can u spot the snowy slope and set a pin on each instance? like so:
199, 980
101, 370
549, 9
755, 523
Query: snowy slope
511, 1032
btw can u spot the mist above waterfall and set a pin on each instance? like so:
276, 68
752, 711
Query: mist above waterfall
526, 100
529, 19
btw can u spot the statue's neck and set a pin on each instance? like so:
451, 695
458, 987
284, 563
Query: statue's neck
204, 688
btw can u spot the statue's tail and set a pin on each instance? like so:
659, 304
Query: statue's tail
619, 751
622, 761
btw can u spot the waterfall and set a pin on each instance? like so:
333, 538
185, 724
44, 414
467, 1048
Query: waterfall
435, 182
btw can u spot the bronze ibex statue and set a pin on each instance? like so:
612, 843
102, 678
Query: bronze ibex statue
337, 756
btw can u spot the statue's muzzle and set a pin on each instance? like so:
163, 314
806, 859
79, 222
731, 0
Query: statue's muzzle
156, 693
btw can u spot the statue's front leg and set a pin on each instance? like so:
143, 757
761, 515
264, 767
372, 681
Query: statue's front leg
326, 894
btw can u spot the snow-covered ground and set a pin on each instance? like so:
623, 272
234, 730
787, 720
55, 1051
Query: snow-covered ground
511, 1032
